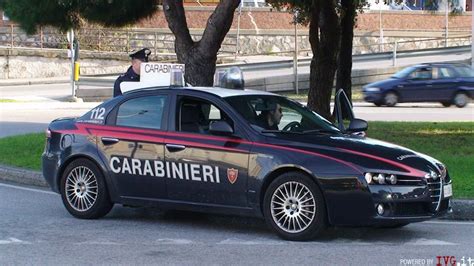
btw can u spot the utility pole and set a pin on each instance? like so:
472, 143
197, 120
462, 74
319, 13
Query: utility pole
295, 58
472, 34
446, 13
70, 37
380, 3
237, 44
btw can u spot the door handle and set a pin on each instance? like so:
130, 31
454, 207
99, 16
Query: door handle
109, 141
175, 147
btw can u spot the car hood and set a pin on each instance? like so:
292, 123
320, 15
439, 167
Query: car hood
382, 83
369, 154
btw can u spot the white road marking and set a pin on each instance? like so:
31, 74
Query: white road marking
449, 222
236, 241
109, 243
172, 241
28, 189
429, 242
13, 240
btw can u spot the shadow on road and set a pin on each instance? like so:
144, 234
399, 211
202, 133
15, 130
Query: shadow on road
188, 221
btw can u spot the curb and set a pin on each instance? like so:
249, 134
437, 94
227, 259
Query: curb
462, 209
22, 176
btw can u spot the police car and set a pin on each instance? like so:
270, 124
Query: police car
207, 149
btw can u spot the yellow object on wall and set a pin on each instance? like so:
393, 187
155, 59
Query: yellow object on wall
76, 71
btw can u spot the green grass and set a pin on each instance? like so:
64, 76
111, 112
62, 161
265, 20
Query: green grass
23, 150
451, 143
7, 101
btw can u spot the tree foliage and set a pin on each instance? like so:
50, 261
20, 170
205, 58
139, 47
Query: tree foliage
67, 14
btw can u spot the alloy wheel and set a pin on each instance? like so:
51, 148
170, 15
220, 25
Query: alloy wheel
81, 188
293, 207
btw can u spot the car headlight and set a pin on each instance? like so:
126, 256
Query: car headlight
372, 89
381, 179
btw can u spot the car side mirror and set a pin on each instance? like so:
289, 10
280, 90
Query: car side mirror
220, 128
358, 125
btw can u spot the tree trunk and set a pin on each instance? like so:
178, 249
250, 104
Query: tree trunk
199, 57
314, 41
343, 80
324, 62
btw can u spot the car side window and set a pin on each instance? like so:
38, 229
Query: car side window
195, 115
143, 112
289, 116
423, 73
445, 73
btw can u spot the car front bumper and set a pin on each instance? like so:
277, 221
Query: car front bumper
407, 204
373, 97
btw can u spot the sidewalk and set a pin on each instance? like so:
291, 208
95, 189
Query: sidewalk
34, 81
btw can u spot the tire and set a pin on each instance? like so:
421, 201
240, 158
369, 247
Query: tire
460, 99
83, 190
390, 99
291, 216
446, 104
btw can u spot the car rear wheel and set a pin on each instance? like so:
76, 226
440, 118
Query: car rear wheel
391, 99
460, 99
294, 207
446, 104
83, 190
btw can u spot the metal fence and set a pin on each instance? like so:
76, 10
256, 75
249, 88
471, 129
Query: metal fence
100, 39
162, 42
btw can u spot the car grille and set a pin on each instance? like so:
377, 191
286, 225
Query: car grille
410, 181
435, 186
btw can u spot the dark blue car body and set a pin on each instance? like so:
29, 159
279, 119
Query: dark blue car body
444, 83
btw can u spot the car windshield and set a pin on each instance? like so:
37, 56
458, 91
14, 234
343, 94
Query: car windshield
404, 72
276, 114
465, 72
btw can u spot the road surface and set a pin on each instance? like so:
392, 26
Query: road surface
36, 229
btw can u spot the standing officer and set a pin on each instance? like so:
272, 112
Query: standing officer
133, 72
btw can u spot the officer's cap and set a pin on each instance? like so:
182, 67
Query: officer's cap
141, 54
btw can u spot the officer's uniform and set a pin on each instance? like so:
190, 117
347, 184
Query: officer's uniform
130, 75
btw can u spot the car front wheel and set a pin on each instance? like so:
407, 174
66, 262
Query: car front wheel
83, 190
460, 99
391, 99
294, 207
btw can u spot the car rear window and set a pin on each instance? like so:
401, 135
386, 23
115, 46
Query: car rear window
143, 112
465, 72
